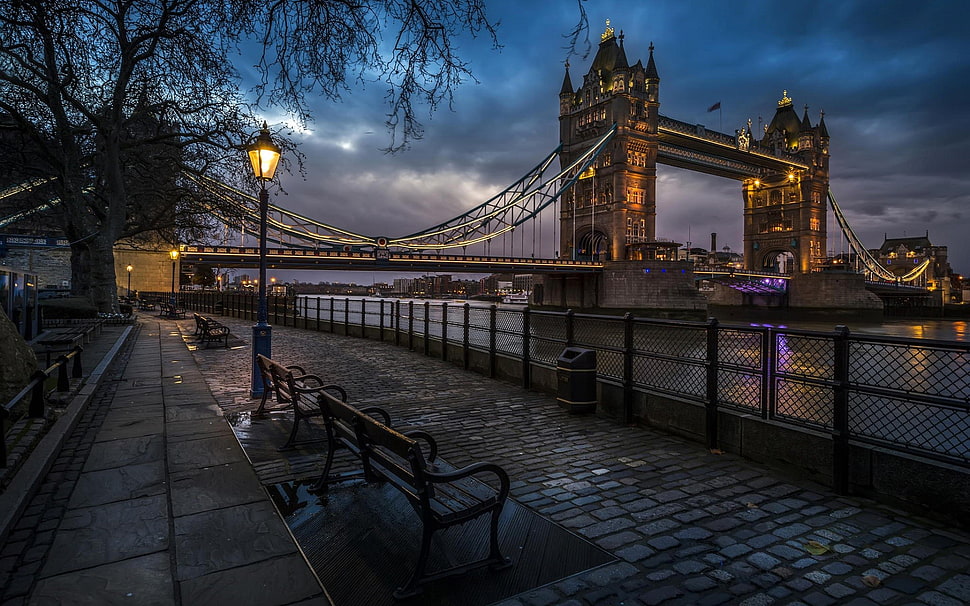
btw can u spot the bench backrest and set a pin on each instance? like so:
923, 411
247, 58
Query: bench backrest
277, 377
398, 457
340, 418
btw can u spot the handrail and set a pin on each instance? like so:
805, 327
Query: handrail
37, 407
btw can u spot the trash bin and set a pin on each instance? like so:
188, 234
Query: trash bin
576, 372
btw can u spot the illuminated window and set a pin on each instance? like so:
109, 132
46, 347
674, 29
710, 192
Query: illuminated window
814, 224
816, 197
634, 196
774, 197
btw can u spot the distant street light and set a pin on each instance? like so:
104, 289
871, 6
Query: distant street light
175, 255
129, 268
264, 155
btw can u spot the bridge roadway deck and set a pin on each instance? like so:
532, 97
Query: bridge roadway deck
356, 260
687, 526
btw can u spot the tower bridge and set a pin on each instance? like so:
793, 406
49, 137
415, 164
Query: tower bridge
601, 200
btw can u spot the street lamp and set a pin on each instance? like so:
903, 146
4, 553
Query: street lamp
264, 155
129, 268
175, 255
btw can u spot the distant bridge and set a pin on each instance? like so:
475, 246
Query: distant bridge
379, 260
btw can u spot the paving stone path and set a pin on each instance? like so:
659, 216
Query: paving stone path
688, 526
151, 501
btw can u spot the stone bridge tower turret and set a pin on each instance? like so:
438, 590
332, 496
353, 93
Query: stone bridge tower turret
613, 206
785, 212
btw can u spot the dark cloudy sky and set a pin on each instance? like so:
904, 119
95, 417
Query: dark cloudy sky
891, 76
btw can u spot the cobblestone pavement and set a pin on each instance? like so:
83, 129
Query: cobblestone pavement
688, 526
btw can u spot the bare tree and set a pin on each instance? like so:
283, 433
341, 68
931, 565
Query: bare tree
118, 100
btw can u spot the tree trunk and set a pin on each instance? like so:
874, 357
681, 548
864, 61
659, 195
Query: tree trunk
93, 272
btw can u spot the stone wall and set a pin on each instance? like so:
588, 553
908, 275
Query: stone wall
151, 271
650, 285
831, 290
52, 266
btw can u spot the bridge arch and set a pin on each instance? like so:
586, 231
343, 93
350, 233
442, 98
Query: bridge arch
594, 245
779, 260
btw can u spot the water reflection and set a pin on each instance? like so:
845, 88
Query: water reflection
941, 330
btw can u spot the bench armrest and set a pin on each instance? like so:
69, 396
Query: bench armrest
319, 388
417, 434
296, 368
303, 378
472, 470
376, 411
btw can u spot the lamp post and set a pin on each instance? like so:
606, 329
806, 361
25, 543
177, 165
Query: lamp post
264, 155
129, 268
174, 254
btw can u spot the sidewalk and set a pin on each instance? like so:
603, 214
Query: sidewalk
152, 501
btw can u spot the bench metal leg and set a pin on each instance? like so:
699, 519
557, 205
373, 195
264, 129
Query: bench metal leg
498, 561
292, 439
413, 586
261, 409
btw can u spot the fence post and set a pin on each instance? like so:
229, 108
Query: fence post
63, 383
526, 347
396, 310
331, 315
363, 318
346, 316
427, 326
569, 328
840, 416
492, 362
411, 325
464, 338
770, 347
318, 314
628, 367
37, 405
712, 367
76, 371
382, 320
444, 331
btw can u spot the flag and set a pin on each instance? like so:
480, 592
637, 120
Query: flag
715, 106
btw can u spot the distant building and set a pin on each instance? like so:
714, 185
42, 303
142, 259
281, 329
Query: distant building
903, 255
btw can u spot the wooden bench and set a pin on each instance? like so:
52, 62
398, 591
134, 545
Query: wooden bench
209, 330
293, 387
339, 420
441, 496
172, 311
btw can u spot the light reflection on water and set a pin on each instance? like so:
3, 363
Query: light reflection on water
942, 330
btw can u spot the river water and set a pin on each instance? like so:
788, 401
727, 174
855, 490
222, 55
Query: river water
914, 328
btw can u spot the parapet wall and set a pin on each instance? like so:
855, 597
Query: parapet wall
658, 285
651, 285
831, 290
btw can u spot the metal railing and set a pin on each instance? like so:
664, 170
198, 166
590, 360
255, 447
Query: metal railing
907, 395
36, 389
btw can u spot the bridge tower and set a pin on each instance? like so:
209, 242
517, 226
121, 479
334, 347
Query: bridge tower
613, 206
784, 212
